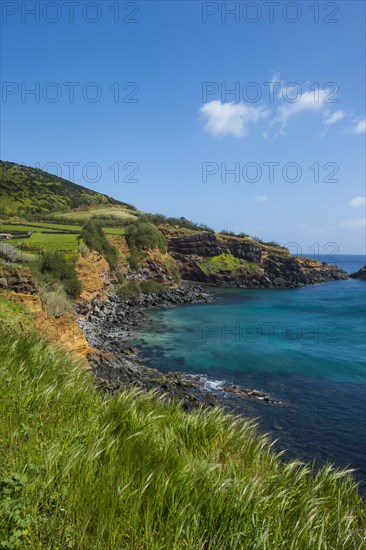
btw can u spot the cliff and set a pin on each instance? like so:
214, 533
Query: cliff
18, 286
228, 261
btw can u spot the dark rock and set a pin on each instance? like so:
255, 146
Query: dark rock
19, 280
360, 274
82, 310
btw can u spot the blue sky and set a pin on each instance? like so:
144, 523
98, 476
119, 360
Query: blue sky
149, 92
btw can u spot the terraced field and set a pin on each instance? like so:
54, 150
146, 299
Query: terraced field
49, 236
82, 215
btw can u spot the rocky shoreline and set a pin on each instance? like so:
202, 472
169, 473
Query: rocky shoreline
108, 326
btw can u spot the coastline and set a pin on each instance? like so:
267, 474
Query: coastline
108, 327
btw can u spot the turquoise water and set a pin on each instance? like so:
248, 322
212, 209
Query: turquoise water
304, 346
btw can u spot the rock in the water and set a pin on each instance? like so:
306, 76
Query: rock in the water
360, 274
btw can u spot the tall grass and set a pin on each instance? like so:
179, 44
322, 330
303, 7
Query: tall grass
83, 470
54, 299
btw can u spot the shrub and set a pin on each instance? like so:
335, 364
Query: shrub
152, 287
132, 288
136, 259
83, 249
128, 289
10, 253
54, 266
227, 232
55, 299
94, 237
160, 219
30, 246
73, 287
272, 243
54, 263
145, 236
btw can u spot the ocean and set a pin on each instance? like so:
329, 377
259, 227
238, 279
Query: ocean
303, 346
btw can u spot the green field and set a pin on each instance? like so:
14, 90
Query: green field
82, 215
50, 225
54, 240
56, 227
50, 241
7, 228
38, 226
114, 230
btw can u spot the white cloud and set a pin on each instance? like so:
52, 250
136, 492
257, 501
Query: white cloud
274, 83
353, 225
359, 128
230, 118
356, 202
335, 117
307, 102
260, 198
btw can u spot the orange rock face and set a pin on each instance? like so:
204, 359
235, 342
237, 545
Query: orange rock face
93, 272
63, 330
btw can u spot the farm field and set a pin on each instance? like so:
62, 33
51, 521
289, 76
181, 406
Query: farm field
8, 228
57, 241
114, 230
50, 236
83, 215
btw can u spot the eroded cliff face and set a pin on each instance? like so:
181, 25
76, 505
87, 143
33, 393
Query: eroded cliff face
228, 261
94, 275
18, 285
17, 279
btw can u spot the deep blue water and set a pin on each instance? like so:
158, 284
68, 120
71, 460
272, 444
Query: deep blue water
304, 346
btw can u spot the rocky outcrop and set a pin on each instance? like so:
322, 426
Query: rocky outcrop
94, 275
360, 274
18, 285
64, 331
208, 245
227, 261
19, 280
291, 272
198, 244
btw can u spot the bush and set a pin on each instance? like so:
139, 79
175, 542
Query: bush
55, 267
145, 236
73, 287
54, 263
55, 299
94, 238
83, 249
227, 232
160, 219
128, 289
136, 259
272, 243
10, 253
152, 287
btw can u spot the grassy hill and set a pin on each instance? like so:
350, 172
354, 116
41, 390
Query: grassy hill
26, 191
83, 470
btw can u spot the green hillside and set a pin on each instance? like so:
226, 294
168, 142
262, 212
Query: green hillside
82, 470
27, 191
